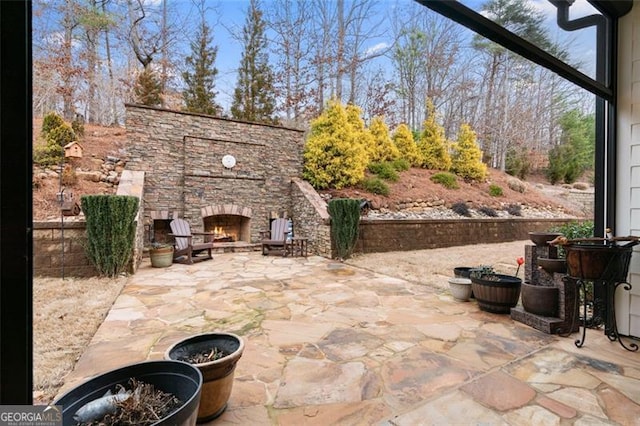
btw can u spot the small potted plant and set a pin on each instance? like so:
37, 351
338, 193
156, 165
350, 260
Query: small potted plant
161, 255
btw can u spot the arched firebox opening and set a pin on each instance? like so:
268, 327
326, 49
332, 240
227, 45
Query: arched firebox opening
159, 229
228, 222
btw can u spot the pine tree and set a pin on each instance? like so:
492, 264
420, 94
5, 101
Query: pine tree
333, 156
148, 89
467, 156
199, 95
403, 139
254, 98
384, 148
433, 146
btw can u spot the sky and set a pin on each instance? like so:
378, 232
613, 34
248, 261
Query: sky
227, 16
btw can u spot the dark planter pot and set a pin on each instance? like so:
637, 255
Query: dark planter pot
497, 296
462, 271
182, 380
540, 300
217, 375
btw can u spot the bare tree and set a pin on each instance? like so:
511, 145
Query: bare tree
290, 20
323, 29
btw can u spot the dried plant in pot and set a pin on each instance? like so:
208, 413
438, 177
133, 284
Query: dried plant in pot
87, 402
216, 356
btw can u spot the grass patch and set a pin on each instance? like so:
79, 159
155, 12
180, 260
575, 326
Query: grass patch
448, 180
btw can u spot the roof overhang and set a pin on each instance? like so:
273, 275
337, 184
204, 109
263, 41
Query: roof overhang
613, 8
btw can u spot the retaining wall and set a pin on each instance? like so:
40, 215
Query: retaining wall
397, 235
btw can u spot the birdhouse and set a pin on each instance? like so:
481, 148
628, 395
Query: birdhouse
73, 150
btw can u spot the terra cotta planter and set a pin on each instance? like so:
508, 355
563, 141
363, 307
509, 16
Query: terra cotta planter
161, 257
217, 375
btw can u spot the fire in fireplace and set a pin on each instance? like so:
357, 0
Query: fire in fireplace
228, 228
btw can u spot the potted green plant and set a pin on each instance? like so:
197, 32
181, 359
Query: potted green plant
496, 293
161, 255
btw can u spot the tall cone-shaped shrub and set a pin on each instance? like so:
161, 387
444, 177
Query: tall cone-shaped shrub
403, 140
345, 222
110, 231
334, 156
467, 156
363, 135
383, 147
433, 146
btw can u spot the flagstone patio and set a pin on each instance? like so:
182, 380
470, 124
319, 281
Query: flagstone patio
332, 343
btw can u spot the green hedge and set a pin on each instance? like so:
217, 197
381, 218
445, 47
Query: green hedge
110, 231
345, 223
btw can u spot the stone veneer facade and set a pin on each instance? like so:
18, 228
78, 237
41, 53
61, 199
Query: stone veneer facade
181, 156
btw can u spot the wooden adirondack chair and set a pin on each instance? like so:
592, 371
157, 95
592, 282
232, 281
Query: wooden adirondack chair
276, 238
184, 245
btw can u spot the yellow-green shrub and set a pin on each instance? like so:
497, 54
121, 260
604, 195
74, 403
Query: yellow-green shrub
403, 139
363, 135
433, 146
384, 148
467, 156
334, 155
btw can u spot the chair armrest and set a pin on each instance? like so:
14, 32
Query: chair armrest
203, 233
180, 236
265, 235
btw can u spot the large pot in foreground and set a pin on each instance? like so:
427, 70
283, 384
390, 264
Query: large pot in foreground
182, 380
217, 375
496, 293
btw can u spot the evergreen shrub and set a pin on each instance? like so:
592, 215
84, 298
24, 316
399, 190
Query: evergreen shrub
401, 164
384, 170
50, 122
376, 185
110, 231
334, 155
495, 190
345, 222
467, 156
448, 180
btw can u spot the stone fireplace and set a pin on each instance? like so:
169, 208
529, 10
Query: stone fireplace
159, 228
228, 222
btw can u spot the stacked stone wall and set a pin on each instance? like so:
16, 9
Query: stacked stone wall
181, 155
49, 238
311, 219
398, 235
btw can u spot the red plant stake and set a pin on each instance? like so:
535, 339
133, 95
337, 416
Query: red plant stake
520, 261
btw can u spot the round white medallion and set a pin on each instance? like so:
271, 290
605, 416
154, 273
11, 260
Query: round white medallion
228, 161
